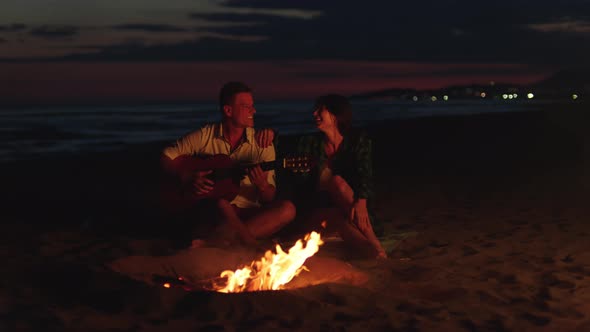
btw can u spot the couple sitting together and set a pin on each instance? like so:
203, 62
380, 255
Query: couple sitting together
335, 190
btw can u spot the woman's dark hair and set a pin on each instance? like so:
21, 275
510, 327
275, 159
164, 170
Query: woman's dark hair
229, 91
340, 107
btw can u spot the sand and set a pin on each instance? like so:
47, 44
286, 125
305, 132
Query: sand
486, 223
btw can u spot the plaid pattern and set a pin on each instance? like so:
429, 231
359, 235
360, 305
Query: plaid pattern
352, 161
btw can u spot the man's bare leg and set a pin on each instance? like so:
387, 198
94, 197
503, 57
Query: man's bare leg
270, 219
229, 216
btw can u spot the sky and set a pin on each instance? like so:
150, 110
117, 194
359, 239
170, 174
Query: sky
74, 51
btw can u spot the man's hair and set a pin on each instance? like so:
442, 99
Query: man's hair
229, 91
340, 107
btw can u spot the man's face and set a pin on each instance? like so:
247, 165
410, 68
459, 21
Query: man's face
241, 112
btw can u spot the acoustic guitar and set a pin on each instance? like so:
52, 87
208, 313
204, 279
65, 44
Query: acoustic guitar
226, 175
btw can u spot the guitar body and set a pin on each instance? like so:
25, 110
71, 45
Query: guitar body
225, 175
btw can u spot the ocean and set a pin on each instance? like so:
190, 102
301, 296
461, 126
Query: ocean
50, 131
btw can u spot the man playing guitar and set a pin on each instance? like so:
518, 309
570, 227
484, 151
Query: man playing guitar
253, 213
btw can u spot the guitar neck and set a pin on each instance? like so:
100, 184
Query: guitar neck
240, 169
295, 164
268, 165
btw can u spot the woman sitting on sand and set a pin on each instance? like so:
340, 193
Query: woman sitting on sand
341, 182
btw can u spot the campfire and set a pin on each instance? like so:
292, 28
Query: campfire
272, 271
199, 270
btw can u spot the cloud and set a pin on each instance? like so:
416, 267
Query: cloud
150, 27
233, 18
55, 32
278, 27
423, 31
2, 40
285, 4
563, 26
15, 27
516, 31
290, 12
218, 48
414, 18
406, 70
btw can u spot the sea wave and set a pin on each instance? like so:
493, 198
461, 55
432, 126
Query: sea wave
31, 133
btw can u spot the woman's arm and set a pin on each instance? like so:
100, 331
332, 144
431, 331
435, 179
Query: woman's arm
362, 191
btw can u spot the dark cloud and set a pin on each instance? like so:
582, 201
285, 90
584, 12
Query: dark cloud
578, 7
287, 4
378, 72
276, 27
150, 27
231, 17
15, 27
2, 40
205, 48
54, 32
435, 31
425, 31
429, 14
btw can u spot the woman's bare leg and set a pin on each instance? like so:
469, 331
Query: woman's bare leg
343, 195
336, 221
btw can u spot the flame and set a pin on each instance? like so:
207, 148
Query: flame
272, 271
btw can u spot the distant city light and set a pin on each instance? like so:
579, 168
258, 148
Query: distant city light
510, 96
574, 96
415, 98
433, 98
504, 96
515, 96
492, 83
530, 95
445, 97
483, 94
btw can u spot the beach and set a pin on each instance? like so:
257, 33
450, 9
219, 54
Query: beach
485, 218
